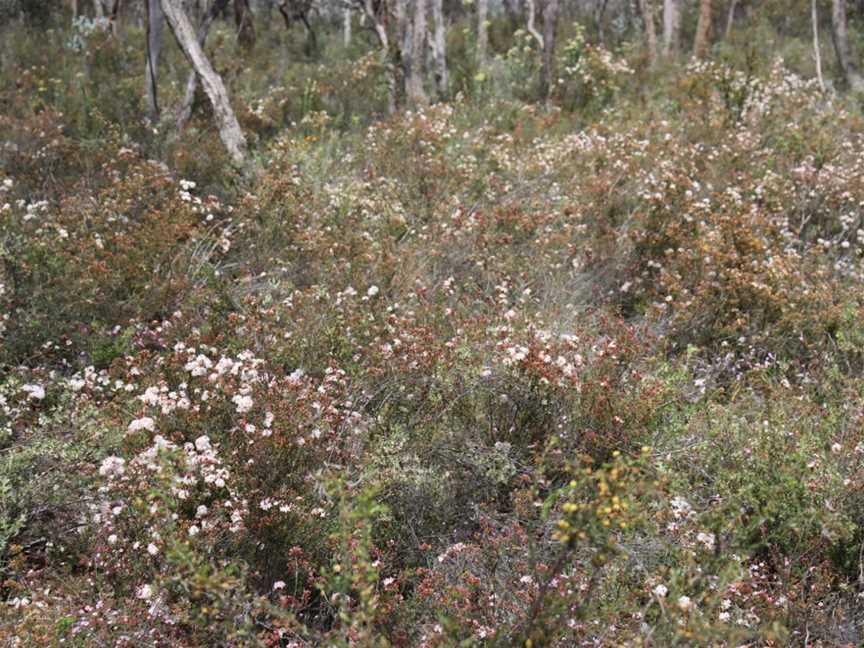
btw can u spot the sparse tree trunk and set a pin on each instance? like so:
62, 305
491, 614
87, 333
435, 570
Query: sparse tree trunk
114, 18
841, 46
650, 31
730, 19
703, 30
380, 29
419, 42
229, 129
403, 47
155, 28
482, 31
671, 27
814, 17
439, 49
412, 53
184, 111
531, 22
547, 73
599, 19
245, 24
98, 9
346, 27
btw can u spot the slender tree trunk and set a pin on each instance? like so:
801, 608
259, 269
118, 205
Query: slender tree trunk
245, 24
403, 47
482, 31
155, 28
530, 22
439, 49
703, 30
226, 120
390, 72
650, 31
547, 73
98, 9
730, 18
417, 93
114, 18
599, 19
346, 27
671, 27
814, 17
184, 111
841, 46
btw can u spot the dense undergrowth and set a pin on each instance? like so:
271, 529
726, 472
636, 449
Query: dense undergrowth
481, 375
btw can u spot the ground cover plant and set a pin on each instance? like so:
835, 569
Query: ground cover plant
531, 360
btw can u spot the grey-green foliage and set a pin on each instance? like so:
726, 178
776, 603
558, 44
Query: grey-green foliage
11, 518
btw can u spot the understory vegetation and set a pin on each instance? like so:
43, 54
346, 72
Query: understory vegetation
480, 374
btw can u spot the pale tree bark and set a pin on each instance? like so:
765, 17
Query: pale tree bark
380, 28
346, 26
599, 13
229, 129
98, 9
530, 21
547, 72
155, 28
184, 111
412, 53
299, 10
671, 27
730, 18
403, 47
114, 18
439, 49
245, 24
814, 17
703, 30
841, 46
650, 31
482, 31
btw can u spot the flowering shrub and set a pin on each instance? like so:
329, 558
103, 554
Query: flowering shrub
477, 374
588, 74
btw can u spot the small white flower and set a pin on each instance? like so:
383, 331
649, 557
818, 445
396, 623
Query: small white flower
202, 443
152, 549
243, 403
661, 591
193, 531
112, 467
144, 592
373, 290
143, 423
707, 539
685, 604
34, 392
278, 585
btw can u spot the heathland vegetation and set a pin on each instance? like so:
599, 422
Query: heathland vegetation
458, 324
